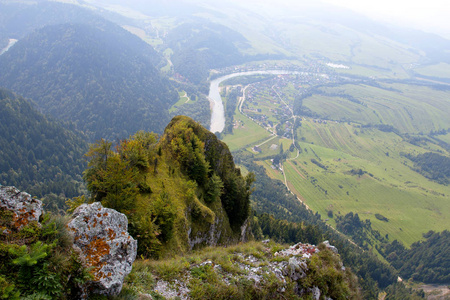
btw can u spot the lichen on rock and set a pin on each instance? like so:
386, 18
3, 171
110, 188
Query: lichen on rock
26, 209
106, 247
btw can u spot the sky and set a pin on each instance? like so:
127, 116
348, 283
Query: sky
428, 15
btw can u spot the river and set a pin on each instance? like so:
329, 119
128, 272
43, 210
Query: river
217, 109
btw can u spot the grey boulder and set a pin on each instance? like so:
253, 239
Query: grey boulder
105, 245
26, 209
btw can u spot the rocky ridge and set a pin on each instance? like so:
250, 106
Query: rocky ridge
284, 273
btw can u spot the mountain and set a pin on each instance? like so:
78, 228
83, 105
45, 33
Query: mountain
18, 19
199, 47
102, 79
181, 192
306, 32
38, 154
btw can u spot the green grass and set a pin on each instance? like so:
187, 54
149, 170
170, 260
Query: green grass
146, 272
248, 133
444, 138
243, 271
272, 173
272, 147
441, 70
412, 203
408, 108
184, 100
374, 72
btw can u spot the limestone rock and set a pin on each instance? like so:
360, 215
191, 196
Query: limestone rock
303, 250
296, 268
331, 247
26, 208
106, 247
260, 270
315, 291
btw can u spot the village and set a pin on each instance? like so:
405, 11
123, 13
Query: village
270, 102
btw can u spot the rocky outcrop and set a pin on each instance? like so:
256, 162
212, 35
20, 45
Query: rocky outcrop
105, 246
331, 247
26, 209
303, 250
286, 272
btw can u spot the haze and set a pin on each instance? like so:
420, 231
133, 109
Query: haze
430, 16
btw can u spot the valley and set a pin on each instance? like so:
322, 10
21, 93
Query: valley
340, 161
324, 126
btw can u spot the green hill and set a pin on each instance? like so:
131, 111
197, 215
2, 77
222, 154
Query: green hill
37, 154
180, 192
102, 79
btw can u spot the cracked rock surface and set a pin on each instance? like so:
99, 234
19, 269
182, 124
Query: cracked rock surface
26, 209
105, 246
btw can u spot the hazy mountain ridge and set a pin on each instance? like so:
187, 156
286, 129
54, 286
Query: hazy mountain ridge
103, 80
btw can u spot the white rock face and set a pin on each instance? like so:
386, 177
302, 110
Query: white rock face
101, 234
331, 247
303, 250
26, 208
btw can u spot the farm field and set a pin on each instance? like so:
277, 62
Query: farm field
345, 166
408, 108
441, 70
271, 172
245, 134
375, 72
387, 185
444, 138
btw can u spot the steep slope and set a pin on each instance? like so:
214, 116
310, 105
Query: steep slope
199, 47
38, 154
181, 192
248, 271
100, 78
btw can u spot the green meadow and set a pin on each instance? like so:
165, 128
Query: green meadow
387, 185
445, 138
408, 108
441, 70
184, 100
246, 133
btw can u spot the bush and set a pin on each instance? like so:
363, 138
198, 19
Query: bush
381, 218
38, 262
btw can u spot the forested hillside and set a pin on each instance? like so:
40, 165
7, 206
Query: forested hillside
101, 79
37, 154
426, 261
18, 19
179, 193
200, 47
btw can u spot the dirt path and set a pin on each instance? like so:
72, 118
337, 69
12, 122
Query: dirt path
185, 95
271, 138
296, 170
